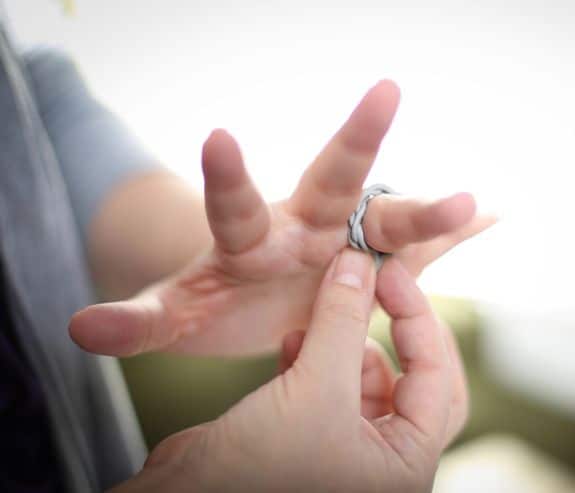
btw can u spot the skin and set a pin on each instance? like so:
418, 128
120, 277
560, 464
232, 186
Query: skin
310, 429
245, 274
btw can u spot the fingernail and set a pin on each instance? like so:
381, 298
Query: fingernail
352, 268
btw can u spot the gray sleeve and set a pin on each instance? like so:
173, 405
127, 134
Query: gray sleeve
95, 150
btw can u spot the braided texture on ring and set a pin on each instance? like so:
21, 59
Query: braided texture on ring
356, 236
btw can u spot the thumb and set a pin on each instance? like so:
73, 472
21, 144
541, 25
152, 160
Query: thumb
334, 344
123, 328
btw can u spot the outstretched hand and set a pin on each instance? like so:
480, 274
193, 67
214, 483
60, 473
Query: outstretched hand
258, 281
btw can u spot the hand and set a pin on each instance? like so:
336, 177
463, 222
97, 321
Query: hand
303, 431
258, 281
378, 378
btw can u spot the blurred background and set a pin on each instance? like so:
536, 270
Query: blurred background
488, 105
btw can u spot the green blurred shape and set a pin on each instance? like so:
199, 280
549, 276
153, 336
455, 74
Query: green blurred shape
172, 392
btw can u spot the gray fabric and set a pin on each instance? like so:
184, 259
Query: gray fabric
94, 425
93, 147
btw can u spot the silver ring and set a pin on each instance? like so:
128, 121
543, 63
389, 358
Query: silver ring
356, 236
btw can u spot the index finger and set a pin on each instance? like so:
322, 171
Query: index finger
422, 395
333, 347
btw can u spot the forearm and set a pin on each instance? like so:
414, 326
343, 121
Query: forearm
147, 228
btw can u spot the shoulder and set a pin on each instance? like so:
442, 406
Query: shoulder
45, 63
46, 56
54, 77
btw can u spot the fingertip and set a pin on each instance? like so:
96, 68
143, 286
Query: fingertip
354, 269
386, 97
389, 87
222, 162
237, 214
105, 329
489, 218
397, 291
76, 330
464, 203
216, 135
446, 215
371, 119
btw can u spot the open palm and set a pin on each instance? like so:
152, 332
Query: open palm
259, 279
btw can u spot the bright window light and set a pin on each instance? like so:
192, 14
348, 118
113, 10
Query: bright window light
488, 105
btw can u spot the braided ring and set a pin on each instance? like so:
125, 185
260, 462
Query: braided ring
356, 237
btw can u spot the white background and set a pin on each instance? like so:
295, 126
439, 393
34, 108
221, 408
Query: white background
488, 106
